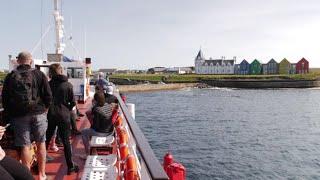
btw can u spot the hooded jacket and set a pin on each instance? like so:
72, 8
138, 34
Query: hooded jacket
63, 98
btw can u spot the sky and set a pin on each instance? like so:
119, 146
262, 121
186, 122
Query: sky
139, 34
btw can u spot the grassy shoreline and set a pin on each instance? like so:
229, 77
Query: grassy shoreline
195, 78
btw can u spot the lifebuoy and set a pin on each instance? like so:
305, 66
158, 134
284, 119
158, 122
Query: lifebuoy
119, 129
124, 151
131, 170
123, 137
118, 122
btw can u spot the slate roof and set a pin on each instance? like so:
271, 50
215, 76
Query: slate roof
200, 55
216, 62
272, 61
244, 62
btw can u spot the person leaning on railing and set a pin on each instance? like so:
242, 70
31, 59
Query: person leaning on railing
11, 169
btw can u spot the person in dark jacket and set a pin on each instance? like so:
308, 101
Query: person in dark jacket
26, 97
59, 112
110, 98
102, 120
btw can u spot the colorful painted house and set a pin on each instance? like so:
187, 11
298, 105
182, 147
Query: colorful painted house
302, 66
244, 67
284, 66
293, 68
272, 67
255, 67
264, 69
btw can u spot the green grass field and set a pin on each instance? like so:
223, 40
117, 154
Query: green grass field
174, 78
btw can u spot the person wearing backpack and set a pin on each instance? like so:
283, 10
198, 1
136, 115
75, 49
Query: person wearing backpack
59, 112
26, 97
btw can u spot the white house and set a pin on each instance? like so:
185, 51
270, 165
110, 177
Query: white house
214, 66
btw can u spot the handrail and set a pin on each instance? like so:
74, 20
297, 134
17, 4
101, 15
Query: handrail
153, 165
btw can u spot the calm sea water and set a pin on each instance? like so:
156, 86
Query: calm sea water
235, 134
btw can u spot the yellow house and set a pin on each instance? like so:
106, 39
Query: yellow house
284, 66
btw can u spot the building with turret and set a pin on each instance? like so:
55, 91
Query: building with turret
213, 66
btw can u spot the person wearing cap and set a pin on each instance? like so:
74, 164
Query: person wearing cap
110, 98
101, 124
101, 82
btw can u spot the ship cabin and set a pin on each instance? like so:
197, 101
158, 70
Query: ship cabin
78, 72
302, 66
255, 67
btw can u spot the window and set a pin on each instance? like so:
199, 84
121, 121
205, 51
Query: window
75, 73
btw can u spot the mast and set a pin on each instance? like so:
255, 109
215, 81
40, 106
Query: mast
58, 18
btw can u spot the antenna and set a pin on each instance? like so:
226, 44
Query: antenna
41, 29
85, 42
59, 28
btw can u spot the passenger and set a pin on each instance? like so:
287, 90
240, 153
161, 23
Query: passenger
59, 112
26, 97
110, 98
11, 169
101, 122
101, 82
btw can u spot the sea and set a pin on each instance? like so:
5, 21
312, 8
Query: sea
220, 133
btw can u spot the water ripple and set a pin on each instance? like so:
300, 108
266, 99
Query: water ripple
235, 134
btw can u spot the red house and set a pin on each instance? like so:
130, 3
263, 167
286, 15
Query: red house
302, 66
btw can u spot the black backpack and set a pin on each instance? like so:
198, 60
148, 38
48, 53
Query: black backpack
23, 91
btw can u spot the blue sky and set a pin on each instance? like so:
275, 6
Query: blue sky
138, 34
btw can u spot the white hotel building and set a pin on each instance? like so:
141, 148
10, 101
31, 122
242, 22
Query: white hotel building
214, 66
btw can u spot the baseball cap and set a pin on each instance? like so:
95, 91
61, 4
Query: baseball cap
108, 89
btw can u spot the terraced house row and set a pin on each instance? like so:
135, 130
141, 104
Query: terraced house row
229, 66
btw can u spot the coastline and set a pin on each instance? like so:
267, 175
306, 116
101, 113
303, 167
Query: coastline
262, 84
154, 87
227, 83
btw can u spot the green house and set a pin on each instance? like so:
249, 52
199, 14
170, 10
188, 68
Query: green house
284, 66
255, 67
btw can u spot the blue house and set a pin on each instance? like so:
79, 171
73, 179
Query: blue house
243, 67
272, 67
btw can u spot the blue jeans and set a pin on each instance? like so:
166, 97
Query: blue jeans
87, 134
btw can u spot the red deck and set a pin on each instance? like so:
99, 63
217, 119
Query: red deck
57, 169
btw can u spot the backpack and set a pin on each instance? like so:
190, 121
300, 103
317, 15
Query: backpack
23, 91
